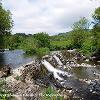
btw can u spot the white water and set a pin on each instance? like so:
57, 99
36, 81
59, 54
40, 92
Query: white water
55, 71
60, 63
58, 60
71, 51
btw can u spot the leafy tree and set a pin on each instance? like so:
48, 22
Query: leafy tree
6, 24
96, 14
81, 24
96, 28
87, 47
42, 51
96, 17
43, 39
80, 30
29, 44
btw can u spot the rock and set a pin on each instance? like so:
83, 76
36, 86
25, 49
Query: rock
95, 56
87, 60
72, 51
31, 71
1, 74
78, 56
5, 71
94, 87
46, 56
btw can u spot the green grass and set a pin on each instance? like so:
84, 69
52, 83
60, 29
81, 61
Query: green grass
51, 94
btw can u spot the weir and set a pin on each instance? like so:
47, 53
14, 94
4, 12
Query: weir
56, 72
58, 60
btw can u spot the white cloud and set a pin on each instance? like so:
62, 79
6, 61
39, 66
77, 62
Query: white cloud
52, 16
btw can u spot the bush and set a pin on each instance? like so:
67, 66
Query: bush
42, 51
17, 77
87, 47
43, 39
60, 45
51, 94
30, 51
5, 94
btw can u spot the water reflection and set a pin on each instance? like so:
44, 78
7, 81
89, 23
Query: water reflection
14, 58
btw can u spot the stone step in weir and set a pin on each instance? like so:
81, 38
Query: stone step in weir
56, 72
58, 60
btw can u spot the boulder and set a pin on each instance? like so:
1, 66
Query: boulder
31, 71
95, 56
94, 87
5, 71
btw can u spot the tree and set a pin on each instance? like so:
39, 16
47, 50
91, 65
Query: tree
43, 39
80, 30
96, 17
81, 24
96, 28
6, 24
96, 14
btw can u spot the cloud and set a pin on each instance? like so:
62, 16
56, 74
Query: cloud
51, 16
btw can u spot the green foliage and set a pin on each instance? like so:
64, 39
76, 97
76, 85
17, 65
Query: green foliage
51, 94
17, 77
87, 47
81, 24
29, 45
81, 37
60, 45
77, 38
42, 39
6, 24
5, 20
42, 51
96, 29
96, 14
79, 32
4, 93
96, 17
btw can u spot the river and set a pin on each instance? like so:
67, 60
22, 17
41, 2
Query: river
15, 58
55, 64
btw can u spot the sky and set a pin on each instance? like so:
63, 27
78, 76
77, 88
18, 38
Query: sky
51, 16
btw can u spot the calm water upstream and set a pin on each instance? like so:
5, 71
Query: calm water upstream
15, 58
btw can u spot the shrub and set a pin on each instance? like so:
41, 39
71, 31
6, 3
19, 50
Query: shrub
42, 51
87, 47
17, 77
60, 45
51, 94
5, 94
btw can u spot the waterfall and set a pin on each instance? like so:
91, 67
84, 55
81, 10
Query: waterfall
58, 60
56, 72
60, 63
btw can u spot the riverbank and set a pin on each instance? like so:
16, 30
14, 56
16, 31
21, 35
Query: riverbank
18, 71
23, 90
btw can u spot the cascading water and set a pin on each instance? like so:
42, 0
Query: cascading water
56, 72
58, 60
68, 81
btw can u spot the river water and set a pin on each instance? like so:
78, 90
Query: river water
84, 80
14, 57
17, 58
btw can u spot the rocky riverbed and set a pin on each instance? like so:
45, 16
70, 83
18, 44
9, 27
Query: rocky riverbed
69, 73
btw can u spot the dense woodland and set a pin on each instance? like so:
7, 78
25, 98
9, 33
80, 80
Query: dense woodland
81, 37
